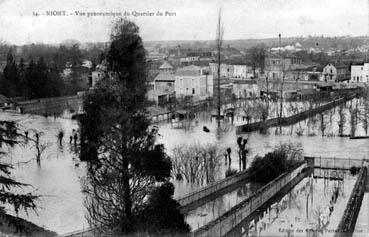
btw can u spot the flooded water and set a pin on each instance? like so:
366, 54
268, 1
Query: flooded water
216, 208
313, 204
57, 179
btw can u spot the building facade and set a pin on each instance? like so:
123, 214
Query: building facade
277, 65
193, 81
360, 73
330, 72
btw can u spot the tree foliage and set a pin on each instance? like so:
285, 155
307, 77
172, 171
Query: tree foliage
10, 193
126, 168
280, 160
257, 56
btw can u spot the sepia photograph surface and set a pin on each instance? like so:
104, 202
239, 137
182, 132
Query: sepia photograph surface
184, 118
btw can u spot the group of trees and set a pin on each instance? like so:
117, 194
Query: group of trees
196, 163
41, 75
35, 80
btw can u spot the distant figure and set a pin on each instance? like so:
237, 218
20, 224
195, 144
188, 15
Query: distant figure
229, 155
26, 135
75, 138
225, 158
60, 137
244, 158
205, 129
70, 139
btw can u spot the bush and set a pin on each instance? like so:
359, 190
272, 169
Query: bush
230, 172
282, 159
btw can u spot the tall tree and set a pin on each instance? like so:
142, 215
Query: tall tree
125, 164
10, 80
22, 78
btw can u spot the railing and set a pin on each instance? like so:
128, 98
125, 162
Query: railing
238, 213
337, 163
212, 188
348, 221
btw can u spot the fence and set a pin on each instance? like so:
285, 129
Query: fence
337, 163
285, 121
348, 221
212, 188
50, 105
233, 217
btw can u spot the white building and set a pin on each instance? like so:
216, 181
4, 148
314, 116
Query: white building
193, 81
226, 71
330, 72
360, 73
242, 72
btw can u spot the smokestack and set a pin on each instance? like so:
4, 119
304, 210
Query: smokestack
280, 40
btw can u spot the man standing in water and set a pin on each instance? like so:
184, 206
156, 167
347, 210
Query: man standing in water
60, 137
229, 156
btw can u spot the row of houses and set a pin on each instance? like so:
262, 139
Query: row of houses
198, 83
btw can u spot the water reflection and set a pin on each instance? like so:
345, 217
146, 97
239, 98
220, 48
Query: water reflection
216, 208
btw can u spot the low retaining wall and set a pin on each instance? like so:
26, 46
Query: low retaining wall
285, 121
233, 217
212, 188
50, 106
348, 221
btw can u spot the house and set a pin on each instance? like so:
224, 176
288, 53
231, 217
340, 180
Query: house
329, 72
360, 73
246, 89
164, 82
243, 72
226, 71
278, 64
336, 73
163, 91
193, 81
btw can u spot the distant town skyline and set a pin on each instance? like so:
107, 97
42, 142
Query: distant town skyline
193, 19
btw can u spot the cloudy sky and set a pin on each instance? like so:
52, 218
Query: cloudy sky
194, 20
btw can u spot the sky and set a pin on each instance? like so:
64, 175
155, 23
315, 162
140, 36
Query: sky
193, 19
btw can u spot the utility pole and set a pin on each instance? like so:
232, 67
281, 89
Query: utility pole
219, 42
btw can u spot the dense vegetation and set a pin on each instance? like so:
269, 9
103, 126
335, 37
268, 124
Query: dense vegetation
280, 160
38, 71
